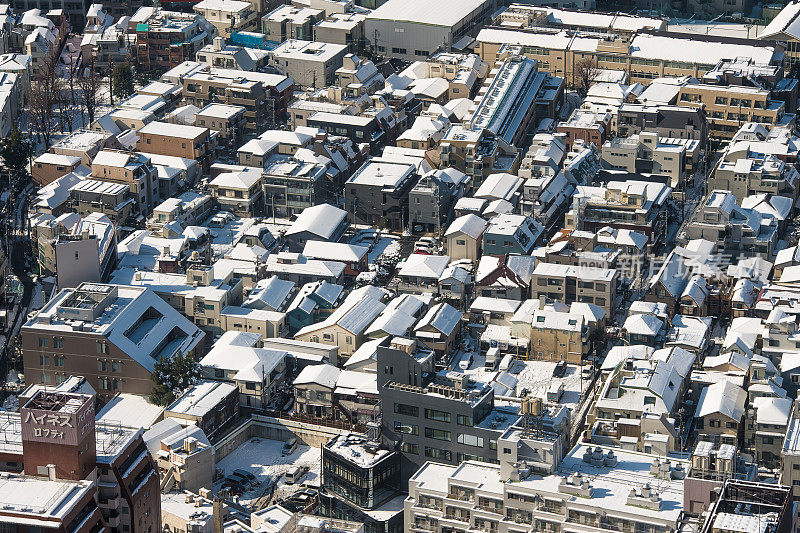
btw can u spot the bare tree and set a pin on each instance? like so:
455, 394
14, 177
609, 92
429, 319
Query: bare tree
586, 73
43, 96
90, 84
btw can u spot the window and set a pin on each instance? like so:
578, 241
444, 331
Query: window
42, 342
464, 420
58, 360
407, 447
101, 347
436, 453
438, 434
406, 429
404, 409
441, 416
469, 440
44, 360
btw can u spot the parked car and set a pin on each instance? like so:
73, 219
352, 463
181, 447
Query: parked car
560, 369
247, 478
289, 446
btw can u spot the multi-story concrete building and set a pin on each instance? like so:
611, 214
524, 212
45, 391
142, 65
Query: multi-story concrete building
728, 107
179, 140
645, 55
671, 121
477, 153
75, 249
445, 417
569, 284
414, 29
377, 193
133, 170
291, 22
264, 96
635, 205
227, 120
745, 174
292, 185
735, 230
228, 16
165, 39
592, 489
112, 335
647, 153
308, 63
342, 28
347, 460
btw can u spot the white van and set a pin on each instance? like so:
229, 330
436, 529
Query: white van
492, 358
554, 392
505, 364
294, 474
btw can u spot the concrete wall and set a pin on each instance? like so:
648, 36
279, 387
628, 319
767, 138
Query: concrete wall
267, 427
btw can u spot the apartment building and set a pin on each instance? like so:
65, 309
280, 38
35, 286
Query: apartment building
457, 422
377, 193
514, 83
113, 200
179, 140
635, 205
647, 153
645, 55
291, 185
477, 153
165, 39
64, 505
754, 173
670, 121
265, 97
593, 489
112, 335
308, 63
239, 192
228, 16
221, 55
75, 249
133, 170
728, 107
735, 230
569, 284
783, 28
227, 120
291, 22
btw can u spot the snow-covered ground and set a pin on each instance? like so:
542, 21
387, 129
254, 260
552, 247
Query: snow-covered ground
263, 458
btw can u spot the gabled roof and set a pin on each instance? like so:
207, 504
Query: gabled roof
325, 375
724, 398
469, 224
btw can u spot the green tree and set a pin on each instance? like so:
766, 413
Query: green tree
122, 80
16, 150
171, 377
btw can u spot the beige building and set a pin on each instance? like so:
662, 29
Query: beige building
131, 169
227, 120
239, 192
720, 413
558, 336
569, 284
728, 107
745, 174
644, 56
191, 142
646, 152
228, 16
464, 237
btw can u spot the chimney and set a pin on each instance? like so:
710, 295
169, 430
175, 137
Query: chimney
218, 512
51, 472
218, 42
